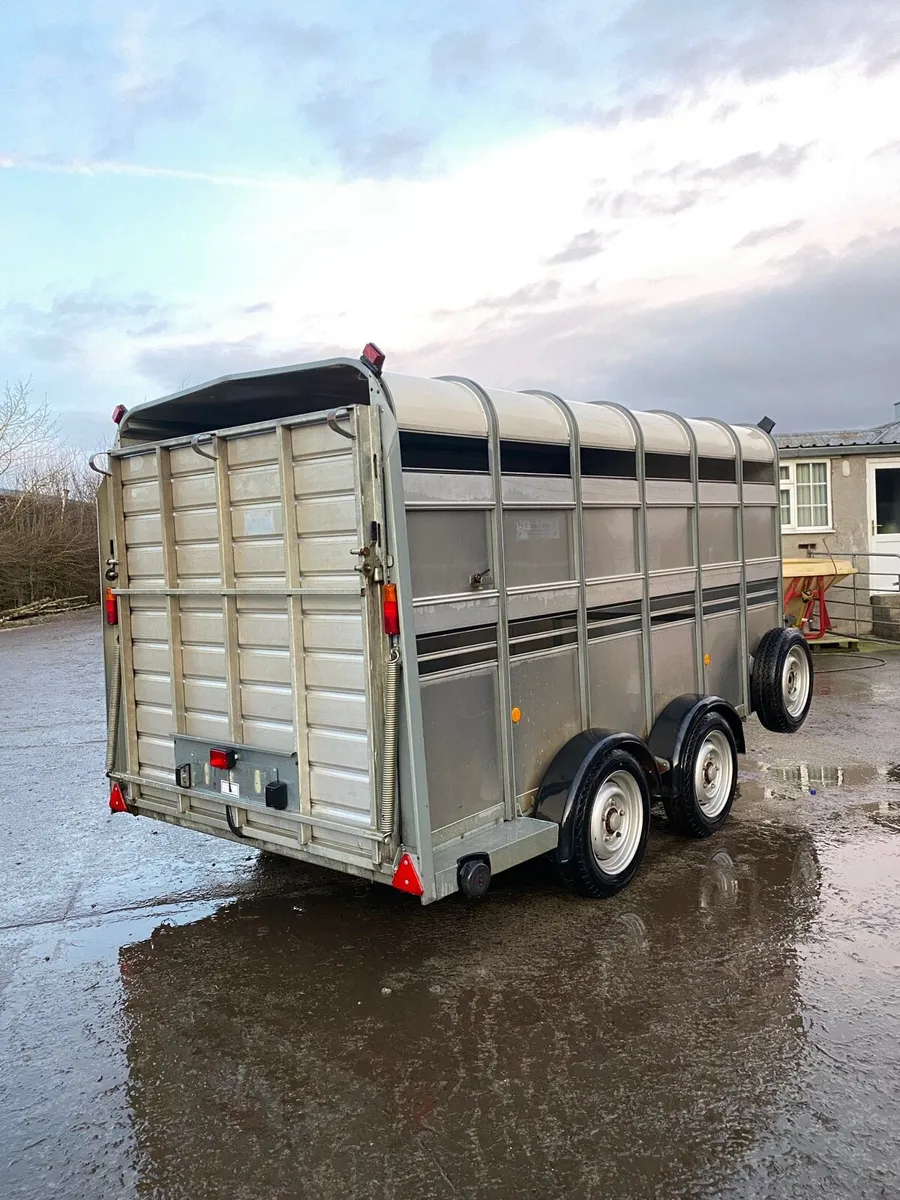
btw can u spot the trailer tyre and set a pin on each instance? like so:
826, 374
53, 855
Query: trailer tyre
610, 824
781, 686
709, 778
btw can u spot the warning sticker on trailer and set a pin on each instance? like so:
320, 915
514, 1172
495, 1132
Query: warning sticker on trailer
228, 788
529, 529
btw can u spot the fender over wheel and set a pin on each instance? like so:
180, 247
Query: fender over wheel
781, 685
611, 820
708, 777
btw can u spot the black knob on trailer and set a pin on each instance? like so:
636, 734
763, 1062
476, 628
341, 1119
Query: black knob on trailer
474, 877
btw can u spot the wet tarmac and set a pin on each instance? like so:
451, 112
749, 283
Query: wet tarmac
182, 1018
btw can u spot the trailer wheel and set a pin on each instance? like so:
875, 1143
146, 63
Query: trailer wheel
709, 778
781, 685
610, 825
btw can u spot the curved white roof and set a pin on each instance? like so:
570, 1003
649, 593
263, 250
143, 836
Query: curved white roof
712, 440
754, 443
663, 434
604, 426
436, 406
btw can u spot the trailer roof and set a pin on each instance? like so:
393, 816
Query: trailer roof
249, 397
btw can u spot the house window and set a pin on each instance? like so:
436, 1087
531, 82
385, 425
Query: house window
805, 494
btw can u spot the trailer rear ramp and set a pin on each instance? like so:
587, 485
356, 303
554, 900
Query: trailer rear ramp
245, 622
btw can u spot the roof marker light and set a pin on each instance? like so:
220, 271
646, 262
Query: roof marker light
118, 413
373, 357
406, 877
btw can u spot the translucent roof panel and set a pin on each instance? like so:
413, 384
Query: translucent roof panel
601, 425
754, 443
525, 418
663, 434
436, 406
712, 440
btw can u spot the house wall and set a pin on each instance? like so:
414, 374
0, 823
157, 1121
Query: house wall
850, 533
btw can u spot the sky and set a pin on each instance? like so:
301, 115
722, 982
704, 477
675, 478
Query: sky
687, 205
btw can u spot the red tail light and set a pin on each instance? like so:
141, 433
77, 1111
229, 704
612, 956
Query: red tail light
222, 760
111, 604
117, 799
406, 877
391, 610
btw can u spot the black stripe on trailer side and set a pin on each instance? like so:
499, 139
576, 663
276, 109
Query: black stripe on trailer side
667, 466
444, 452
552, 623
665, 610
758, 472
597, 463
454, 648
546, 641
721, 606
762, 598
475, 657
609, 619
762, 585
717, 470
731, 591
534, 458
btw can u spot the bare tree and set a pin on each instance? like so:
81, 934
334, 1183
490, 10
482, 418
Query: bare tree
25, 425
48, 533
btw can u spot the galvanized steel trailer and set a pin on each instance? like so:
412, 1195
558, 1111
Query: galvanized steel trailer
421, 630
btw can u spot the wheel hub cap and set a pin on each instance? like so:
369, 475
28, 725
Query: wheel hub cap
617, 822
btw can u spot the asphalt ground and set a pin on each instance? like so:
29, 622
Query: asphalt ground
180, 1017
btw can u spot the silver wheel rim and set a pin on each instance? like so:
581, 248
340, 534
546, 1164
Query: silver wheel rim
617, 822
713, 773
795, 682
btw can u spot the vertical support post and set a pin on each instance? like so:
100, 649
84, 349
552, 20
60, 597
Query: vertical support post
644, 549
124, 630
173, 602
584, 687
229, 602
745, 636
699, 647
499, 572
295, 618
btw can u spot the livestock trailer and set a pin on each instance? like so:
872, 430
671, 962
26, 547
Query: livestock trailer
419, 630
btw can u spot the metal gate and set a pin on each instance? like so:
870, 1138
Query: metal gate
245, 622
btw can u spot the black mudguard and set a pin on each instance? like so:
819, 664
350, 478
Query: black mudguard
556, 795
667, 737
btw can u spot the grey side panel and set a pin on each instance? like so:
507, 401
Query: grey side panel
545, 688
446, 548
462, 744
722, 637
759, 621
617, 697
611, 540
674, 657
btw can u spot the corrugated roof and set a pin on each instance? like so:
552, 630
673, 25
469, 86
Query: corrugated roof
880, 435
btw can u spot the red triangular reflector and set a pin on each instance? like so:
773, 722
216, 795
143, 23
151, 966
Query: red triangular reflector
406, 877
117, 800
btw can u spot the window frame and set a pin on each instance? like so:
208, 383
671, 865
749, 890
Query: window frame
789, 485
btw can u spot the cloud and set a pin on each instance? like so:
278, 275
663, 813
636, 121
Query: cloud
58, 332
784, 161
815, 347
347, 121
583, 245
461, 58
757, 236
188, 363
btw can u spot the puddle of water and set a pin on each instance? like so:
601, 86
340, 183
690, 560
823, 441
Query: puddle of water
885, 813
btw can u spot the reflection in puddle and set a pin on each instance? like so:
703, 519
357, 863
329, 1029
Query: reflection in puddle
885, 813
357, 1046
